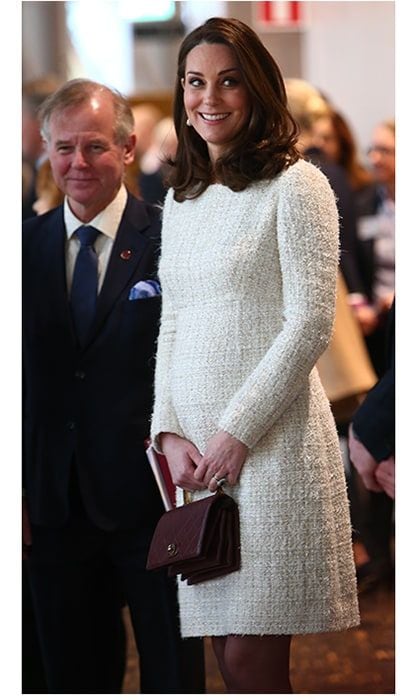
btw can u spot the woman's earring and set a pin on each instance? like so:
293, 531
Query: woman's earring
188, 121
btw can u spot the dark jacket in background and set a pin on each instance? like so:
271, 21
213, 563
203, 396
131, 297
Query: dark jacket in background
374, 421
346, 206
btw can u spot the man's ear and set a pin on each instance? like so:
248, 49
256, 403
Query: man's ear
130, 149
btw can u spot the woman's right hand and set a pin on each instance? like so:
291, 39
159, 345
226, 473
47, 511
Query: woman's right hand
182, 457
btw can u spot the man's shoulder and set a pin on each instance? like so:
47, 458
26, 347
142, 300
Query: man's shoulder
152, 210
39, 231
145, 216
36, 223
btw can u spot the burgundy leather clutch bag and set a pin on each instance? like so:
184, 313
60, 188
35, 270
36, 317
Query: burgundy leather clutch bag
199, 541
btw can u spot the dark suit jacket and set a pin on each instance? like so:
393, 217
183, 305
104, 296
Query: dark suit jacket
90, 407
29, 196
374, 421
368, 201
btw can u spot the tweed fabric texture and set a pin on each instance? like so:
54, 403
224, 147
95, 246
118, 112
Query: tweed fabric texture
249, 284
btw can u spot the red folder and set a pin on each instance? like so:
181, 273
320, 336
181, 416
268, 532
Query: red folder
162, 475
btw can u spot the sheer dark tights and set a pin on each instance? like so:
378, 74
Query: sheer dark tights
252, 664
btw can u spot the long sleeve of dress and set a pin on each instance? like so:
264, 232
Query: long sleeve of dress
307, 234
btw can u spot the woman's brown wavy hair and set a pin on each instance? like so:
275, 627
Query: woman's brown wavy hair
260, 151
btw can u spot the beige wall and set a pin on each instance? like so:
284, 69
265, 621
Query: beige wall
44, 40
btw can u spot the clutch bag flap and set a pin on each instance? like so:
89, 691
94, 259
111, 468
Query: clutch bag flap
179, 533
199, 540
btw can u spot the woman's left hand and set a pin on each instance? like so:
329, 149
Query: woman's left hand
224, 457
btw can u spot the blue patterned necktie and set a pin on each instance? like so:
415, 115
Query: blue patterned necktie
84, 288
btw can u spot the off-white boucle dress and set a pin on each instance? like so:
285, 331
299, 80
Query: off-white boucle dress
249, 282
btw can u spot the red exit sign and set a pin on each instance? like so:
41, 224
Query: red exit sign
279, 14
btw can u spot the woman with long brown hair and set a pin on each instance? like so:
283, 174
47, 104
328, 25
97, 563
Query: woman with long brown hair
332, 134
248, 272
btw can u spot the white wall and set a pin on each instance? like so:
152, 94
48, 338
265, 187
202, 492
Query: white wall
348, 53
102, 43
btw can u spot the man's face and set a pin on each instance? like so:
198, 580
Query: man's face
382, 155
87, 164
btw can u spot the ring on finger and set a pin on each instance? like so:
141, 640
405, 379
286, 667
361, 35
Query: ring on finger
221, 481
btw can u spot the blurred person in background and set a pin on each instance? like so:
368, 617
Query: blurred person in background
345, 369
372, 431
374, 199
153, 163
376, 254
332, 134
146, 117
48, 195
374, 195
307, 106
376, 236
34, 92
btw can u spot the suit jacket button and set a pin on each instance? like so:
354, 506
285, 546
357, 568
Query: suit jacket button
79, 374
71, 425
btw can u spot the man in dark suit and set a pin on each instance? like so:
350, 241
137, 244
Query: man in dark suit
376, 259
91, 313
372, 452
372, 432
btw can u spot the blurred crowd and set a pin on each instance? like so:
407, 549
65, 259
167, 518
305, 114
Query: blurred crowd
358, 355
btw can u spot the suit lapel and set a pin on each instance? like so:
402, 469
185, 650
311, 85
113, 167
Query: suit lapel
125, 260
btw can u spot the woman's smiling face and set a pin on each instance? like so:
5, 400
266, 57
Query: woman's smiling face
216, 99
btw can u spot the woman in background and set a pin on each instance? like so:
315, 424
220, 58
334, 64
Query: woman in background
374, 199
332, 134
48, 195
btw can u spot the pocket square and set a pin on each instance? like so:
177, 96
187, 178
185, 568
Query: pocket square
144, 289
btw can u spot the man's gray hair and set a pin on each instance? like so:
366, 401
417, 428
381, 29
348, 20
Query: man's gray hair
78, 91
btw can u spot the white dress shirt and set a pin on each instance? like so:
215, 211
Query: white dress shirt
107, 222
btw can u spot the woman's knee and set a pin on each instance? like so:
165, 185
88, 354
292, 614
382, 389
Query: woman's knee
258, 664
